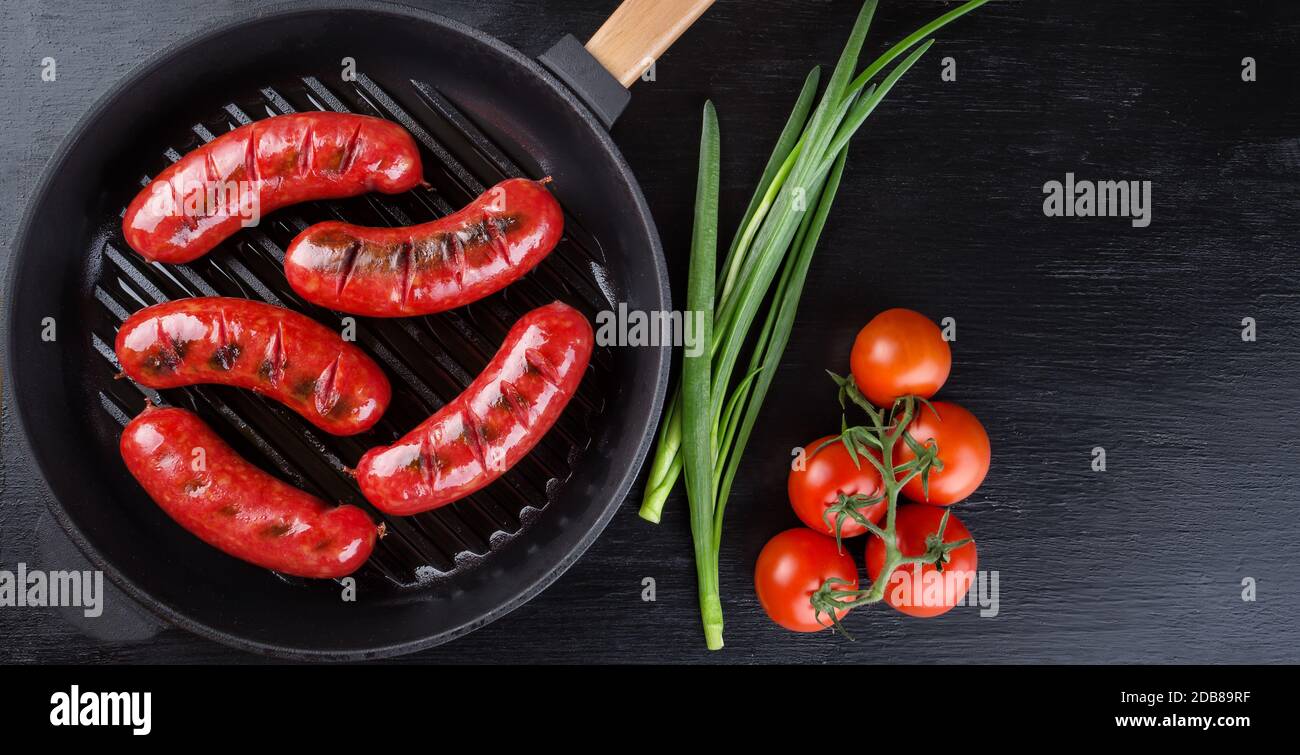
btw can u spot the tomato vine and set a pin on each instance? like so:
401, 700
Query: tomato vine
887, 428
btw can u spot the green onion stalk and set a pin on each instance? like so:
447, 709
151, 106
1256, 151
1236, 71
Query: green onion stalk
708, 421
696, 389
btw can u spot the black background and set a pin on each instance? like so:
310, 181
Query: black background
1091, 707
1072, 333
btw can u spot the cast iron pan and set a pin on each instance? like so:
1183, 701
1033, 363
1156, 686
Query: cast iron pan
481, 111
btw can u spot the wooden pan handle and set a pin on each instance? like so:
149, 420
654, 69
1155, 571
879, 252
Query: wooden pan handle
639, 32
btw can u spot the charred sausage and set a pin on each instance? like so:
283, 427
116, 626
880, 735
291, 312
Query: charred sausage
499, 418
216, 494
261, 347
232, 181
432, 267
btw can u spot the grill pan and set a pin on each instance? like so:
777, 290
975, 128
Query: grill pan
480, 112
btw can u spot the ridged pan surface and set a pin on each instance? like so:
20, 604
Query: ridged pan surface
429, 360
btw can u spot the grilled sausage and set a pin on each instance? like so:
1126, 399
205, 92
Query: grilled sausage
213, 492
232, 181
479, 435
432, 267
268, 349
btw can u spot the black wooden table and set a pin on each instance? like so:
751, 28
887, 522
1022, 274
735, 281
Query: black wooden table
1072, 333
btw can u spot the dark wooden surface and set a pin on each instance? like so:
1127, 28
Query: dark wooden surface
1072, 333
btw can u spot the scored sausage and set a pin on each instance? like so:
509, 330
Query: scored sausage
499, 418
261, 347
216, 494
234, 180
432, 267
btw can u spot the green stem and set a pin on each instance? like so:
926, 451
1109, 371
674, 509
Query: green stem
791, 135
697, 443
670, 439
903, 46
652, 506
666, 467
776, 331
893, 556
889, 436
711, 613
667, 464
760, 213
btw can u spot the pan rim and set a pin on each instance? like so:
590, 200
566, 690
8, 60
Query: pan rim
530, 588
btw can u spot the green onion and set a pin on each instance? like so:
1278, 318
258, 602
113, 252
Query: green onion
776, 331
695, 381
707, 423
667, 465
879, 63
763, 195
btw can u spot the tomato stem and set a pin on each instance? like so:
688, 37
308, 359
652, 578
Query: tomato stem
885, 431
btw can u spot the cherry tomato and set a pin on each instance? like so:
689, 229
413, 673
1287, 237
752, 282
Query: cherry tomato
963, 449
793, 566
827, 474
899, 353
932, 592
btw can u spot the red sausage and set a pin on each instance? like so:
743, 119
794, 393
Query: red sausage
234, 506
268, 349
234, 180
432, 267
475, 438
